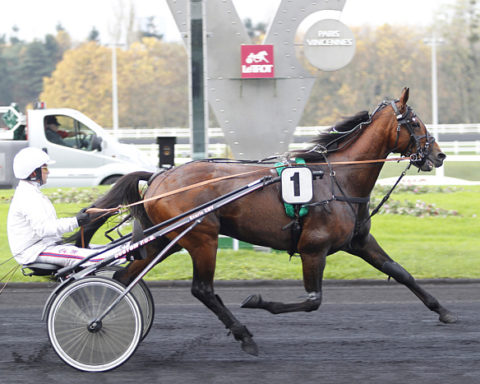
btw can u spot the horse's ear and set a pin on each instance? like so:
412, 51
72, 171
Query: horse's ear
404, 96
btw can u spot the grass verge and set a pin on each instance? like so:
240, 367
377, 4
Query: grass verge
428, 247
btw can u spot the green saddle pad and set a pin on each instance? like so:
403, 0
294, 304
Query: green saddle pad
289, 208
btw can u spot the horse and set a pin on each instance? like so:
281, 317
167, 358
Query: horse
351, 155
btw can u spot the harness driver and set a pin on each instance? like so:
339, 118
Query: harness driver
34, 231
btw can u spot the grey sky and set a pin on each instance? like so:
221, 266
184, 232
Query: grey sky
37, 18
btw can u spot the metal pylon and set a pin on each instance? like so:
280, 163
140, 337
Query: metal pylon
258, 116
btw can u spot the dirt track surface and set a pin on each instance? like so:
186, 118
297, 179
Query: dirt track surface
363, 333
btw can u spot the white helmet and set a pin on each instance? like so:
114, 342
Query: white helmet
28, 160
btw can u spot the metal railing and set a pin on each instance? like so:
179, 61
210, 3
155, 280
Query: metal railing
299, 131
182, 151
456, 150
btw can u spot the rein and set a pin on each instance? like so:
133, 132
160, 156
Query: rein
217, 179
387, 195
8, 275
407, 119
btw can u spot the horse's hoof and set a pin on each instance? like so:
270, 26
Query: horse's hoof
448, 317
249, 346
252, 301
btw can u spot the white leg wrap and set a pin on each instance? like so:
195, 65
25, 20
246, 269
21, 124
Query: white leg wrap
314, 296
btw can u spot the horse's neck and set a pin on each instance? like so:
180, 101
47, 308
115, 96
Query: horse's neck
372, 144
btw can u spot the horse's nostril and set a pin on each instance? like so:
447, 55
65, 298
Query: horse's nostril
441, 156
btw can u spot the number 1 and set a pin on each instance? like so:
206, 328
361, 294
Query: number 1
296, 183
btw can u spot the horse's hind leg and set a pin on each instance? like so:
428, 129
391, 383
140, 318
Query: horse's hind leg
313, 266
203, 258
372, 253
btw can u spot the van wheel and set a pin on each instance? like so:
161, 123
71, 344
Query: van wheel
110, 180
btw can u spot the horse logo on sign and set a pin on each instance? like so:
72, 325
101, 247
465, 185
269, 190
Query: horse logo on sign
257, 58
257, 61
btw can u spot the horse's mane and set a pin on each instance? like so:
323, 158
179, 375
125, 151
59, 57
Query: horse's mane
329, 139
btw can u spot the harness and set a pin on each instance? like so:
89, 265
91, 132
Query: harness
408, 120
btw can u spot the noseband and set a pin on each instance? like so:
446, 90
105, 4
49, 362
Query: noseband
410, 122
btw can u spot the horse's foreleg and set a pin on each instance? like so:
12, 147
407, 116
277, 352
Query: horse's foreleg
313, 266
373, 254
203, 258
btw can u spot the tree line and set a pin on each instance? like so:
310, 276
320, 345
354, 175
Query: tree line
153, 83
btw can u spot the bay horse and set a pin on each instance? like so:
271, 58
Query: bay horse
338, 219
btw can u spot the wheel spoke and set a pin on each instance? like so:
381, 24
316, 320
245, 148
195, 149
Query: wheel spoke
143, 295
76, 307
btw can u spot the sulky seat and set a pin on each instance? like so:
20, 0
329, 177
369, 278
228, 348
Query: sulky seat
40, 269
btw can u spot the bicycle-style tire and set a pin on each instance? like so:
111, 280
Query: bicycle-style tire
110, 344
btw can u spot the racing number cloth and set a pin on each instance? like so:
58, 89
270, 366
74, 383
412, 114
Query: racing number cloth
297, 188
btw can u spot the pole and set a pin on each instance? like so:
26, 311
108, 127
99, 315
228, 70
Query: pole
438, 171
114, 89
198, 100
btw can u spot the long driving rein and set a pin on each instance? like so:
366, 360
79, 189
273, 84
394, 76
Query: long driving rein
408, 119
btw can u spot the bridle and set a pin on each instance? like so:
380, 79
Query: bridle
414, 151
409, 120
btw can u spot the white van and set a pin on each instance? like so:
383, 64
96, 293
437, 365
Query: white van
85, 153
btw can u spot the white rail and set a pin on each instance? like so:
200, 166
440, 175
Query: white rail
468, 149
456, 151
299, 131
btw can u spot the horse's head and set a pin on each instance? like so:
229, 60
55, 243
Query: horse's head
412, 137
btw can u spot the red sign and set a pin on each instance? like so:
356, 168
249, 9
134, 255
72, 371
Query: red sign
257, 61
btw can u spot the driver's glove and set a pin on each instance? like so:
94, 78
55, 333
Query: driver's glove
83, 217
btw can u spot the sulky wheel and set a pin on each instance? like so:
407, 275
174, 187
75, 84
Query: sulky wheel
142, 293
97, 348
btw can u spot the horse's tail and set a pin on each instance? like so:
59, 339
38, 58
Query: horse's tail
124, 192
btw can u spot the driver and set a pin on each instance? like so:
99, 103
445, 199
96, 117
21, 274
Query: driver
34, 231
52, 131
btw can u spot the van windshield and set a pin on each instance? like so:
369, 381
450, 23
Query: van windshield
64, 130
